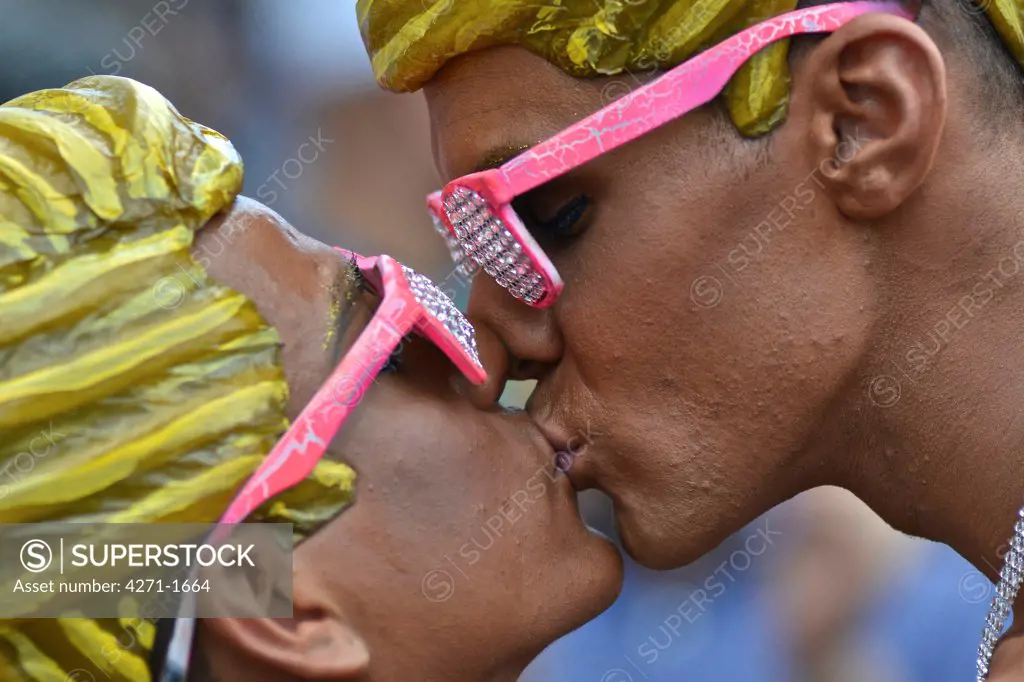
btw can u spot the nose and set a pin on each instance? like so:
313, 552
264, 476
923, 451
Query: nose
516, 341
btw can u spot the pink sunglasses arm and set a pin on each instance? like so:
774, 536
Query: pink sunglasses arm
679, 91
297, 453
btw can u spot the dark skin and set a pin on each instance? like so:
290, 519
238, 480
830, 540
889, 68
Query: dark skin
716, 404
441, 487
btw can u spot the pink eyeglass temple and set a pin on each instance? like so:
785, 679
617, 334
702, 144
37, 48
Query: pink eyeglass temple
688, 86
407, 302
487, 228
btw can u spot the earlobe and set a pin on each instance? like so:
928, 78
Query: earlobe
872, 97
317, 643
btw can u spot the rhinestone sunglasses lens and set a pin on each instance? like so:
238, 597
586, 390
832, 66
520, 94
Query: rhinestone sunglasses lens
442, 309
465, 265
488, 242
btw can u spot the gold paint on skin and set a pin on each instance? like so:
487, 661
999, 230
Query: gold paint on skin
332, 317
496, 157
351, 290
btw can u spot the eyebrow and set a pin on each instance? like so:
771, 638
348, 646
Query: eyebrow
498, 156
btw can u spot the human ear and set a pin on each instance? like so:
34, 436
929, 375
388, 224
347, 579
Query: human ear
317, 643
871, 102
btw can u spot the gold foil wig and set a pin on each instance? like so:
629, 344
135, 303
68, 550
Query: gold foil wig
409, 40
133, 388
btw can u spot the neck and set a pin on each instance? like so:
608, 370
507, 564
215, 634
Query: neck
957, 477
933, 440
932, 430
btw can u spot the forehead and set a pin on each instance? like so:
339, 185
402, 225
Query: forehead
266, 258
500, 99
298, 285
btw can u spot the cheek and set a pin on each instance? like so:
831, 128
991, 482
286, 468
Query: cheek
729, 304
305, 357
628, 296
425, 455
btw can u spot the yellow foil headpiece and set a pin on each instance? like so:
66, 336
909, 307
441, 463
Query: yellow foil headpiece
409, 40
133, 388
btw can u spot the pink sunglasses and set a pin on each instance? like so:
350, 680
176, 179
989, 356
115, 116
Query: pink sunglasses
409, 303
465, 265
477, 209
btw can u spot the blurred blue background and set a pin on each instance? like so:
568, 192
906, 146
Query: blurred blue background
818, 590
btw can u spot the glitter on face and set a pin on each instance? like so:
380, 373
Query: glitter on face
343, 291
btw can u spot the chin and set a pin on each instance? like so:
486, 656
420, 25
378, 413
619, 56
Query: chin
605, 577
593, 574
654, 547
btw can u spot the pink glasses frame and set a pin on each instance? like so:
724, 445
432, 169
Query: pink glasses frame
409, 303
477, 208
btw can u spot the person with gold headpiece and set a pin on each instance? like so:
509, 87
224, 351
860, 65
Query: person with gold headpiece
148, 374
781, 249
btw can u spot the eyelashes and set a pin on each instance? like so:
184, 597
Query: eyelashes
564, 224
565, 221
397, 359
394, 362
361, 286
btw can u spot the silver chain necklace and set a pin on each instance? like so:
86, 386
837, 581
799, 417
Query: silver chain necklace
1002, 603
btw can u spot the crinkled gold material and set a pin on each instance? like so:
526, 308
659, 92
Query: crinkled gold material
409, 40
133, 388
1008, 18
